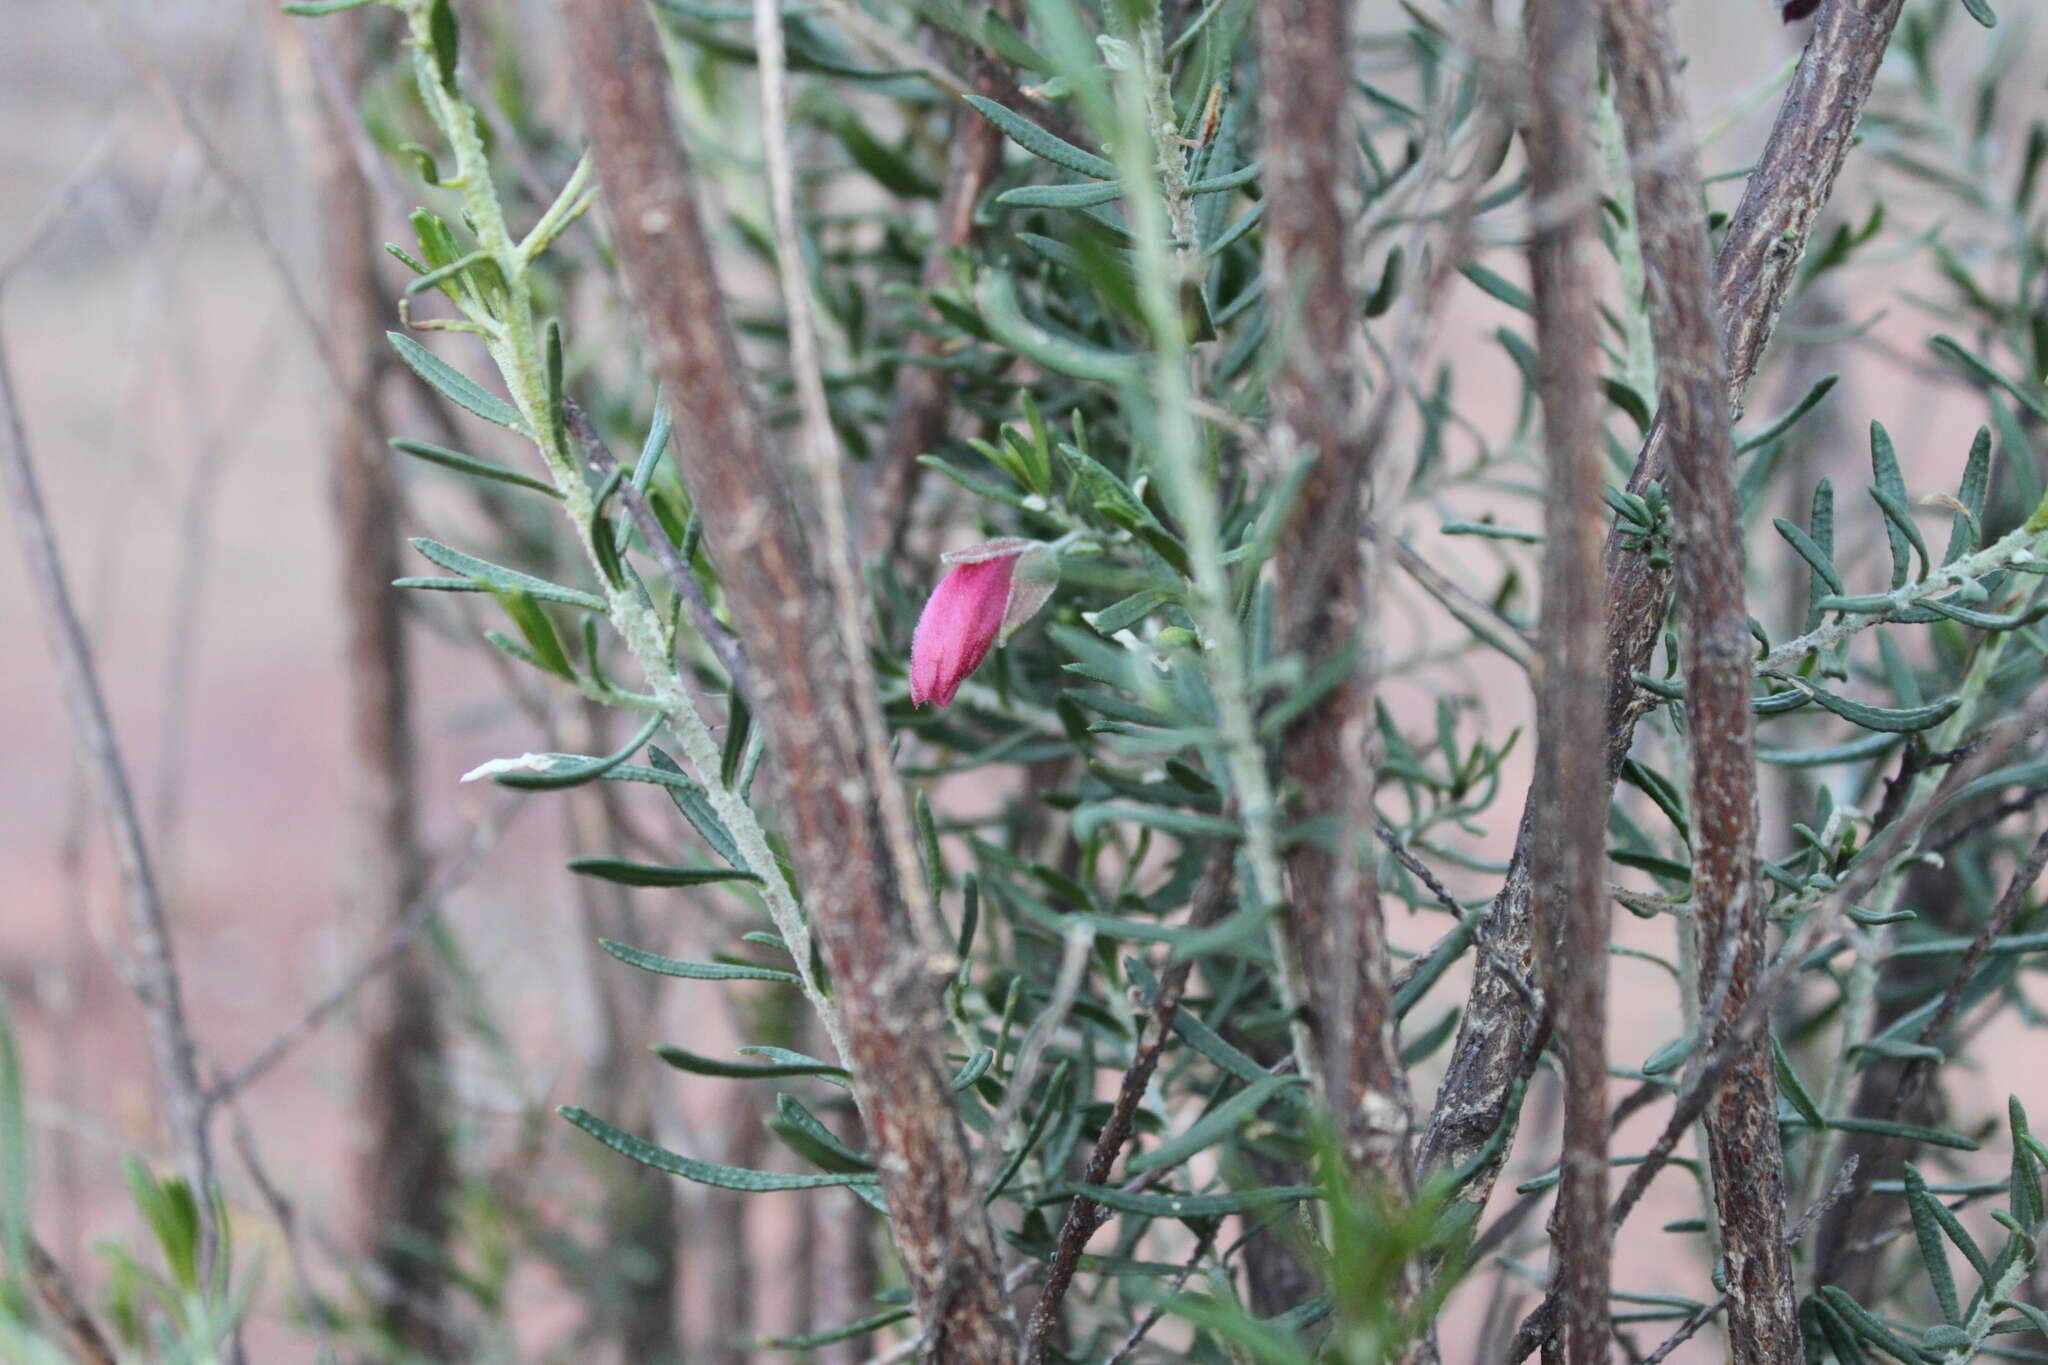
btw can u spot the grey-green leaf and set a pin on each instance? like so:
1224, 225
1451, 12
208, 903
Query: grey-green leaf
655, 874
703, 1172
693, 971
1040, 143
454, 385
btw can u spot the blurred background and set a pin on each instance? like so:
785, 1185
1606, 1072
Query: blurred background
165, 234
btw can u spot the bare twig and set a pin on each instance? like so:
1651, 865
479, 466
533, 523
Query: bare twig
380, 956
155, 977
1569, 859
832, 792
1084, 1216
61, 1301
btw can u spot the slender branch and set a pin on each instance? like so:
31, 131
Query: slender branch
917, 401
61, 1301
1084, 1216
1569, 862
155, 976
888, 989
1729, 906
1786, 192
1332, 929
396, 937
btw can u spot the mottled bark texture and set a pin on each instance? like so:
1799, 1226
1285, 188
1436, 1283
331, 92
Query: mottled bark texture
405, 1169
1568, 856
1728, 903
829, 793
1331, 928
1759, 256
918, 401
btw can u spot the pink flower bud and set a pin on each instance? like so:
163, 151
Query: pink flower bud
990, 590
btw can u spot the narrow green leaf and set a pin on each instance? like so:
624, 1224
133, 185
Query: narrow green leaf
1896, 721
692, 801
699, 1065
693, 971
443, 32
572, 770
1499, 286
1884, 464
1793, 1088
470, 464
1214, 1126
851, 1329
703, 1172
1953, 350
974, 1068
313, 8
655, 874
739, 725
455, 386
1822, 564
1784, 424
1040, 143
1900, 517
1981, 11
1927, 1231
1192, 1205
1908, 1132
537, 630
806, 1135
1071, 196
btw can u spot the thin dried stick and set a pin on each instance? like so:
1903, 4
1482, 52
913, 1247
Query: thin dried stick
61, 1301
1084, 1216
155, 971
1569, 860
381, 955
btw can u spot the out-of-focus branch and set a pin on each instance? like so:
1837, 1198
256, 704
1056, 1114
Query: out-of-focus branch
406, 1165
1744, 1152
831, 792
917, 402
1815, 124
154, 972
61, 1301
1332, 928
1569, 859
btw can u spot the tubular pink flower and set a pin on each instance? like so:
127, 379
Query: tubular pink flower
989, 590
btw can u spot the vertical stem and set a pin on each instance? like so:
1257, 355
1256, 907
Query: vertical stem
1745, 1154
405, 1166
155, 968
830, 791
1569, 843
1324, 601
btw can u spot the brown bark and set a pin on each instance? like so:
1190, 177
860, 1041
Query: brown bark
406, 1167
830, 794
1568, 856
1728, 901
1758, 259
1332, 927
